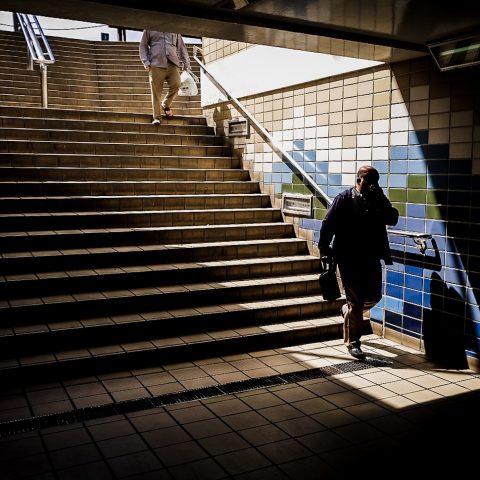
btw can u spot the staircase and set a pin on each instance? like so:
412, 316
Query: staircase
125, 245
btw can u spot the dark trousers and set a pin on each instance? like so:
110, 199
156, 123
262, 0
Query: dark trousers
362, 281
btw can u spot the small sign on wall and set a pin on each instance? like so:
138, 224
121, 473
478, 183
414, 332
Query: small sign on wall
297, 204
238, 127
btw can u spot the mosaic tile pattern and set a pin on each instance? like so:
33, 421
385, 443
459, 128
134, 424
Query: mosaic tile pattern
421, 130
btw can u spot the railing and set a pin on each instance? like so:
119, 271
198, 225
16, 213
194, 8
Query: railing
36, 52
420, 239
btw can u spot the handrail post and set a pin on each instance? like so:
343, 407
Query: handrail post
43, 73
35, 51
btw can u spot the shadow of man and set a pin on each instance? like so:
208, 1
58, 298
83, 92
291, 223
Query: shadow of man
443, 330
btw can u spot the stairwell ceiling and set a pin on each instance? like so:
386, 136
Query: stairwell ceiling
383, 30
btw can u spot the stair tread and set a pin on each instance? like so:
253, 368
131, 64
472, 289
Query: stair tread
151, 267
68, 355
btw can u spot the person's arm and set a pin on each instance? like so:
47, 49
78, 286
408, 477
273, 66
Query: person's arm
143, 49
183, 53
382, 207
328, 228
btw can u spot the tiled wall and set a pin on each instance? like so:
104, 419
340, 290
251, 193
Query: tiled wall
421, 129
215, 49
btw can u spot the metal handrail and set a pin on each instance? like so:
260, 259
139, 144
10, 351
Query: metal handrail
420, 239
36, 52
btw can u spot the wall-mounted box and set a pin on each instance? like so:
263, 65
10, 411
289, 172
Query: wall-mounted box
297, 204
238, 127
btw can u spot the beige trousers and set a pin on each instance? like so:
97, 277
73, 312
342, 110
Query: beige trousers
157, 76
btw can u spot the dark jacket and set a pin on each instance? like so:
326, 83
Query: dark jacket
359, 226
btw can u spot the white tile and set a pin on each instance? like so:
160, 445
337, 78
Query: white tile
322, 131
334, 167
311, 121
288, 124
380, 126
380, 139
399, 124
348, 178
310, 144
380, 153
349, 154
299, 112
322, 143
322, 155
310, 132
364, 153
335, 154
299, 122
349, 167
399, 138
399, 110
364, 141
299, 133
335, 142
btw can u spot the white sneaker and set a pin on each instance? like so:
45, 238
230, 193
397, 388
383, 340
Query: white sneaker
156, 121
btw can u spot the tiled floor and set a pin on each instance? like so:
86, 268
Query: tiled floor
408, 418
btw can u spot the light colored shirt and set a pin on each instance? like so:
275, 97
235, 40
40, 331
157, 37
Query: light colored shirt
156, 48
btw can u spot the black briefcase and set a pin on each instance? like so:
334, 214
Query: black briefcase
328, 280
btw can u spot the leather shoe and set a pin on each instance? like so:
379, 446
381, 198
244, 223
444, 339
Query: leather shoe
356, 352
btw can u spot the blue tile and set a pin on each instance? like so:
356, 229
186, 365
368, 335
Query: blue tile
415, 225
267, 178
322, 167
394, 291
276, 178
299, 144
427, 300
398, 153
278, 167
395, 278
376, 313
418, 137
321, 178
393, 304
392, 318
417, 166
398, 166
309, 167
413, 270
413, 296
415, 210
416, 152
414, 282
297, 156
287, 178
412, 324
311, 155
400, 224
440, 151
436, 227
414, 311
381, 166
397, 181
278, 187
334, 179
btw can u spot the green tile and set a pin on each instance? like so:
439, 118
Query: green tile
417, 181
432, 197
417, 196
434, 212
401, 207
397, 194
319, 213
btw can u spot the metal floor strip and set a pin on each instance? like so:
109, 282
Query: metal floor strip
14, 427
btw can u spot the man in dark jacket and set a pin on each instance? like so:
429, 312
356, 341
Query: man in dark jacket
357, 219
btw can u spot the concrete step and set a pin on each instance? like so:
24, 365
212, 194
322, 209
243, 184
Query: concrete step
65, 160
74, 282
99, 238
256, 326
125, 203
37, 261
